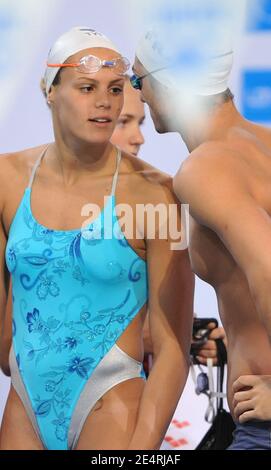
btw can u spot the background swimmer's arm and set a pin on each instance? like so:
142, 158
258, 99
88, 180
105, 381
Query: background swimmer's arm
171, 287
209, 349
4, 334
6, 340
216, 184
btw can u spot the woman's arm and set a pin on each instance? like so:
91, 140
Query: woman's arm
171, 288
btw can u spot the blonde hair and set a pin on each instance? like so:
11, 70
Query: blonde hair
43, 90
43, 87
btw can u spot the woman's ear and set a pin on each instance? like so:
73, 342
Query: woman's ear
43, 89
51, 94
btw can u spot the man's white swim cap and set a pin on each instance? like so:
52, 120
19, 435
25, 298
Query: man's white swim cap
189, 65
71, 42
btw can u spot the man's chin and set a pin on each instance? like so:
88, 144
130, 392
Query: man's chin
160, 128
159, 124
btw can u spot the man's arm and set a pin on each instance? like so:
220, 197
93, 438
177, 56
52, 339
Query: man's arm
171, 287
217, 188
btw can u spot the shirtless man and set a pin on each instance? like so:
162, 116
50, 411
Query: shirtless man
226, 182
128, 136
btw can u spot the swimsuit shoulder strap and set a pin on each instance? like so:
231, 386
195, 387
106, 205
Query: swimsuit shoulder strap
115, 177
35, 166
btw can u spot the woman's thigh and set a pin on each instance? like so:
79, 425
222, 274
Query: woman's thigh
17, 432
111, 423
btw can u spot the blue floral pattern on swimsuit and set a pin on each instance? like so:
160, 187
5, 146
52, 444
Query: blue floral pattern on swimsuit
74, 294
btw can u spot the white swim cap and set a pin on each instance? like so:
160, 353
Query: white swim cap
71, 42
201, 68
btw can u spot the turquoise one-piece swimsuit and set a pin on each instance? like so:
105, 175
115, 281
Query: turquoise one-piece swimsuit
74, 294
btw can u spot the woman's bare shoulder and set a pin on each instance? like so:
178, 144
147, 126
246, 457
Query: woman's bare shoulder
154, 183
15, 168
18, 162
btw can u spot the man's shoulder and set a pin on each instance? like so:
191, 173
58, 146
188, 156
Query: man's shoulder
217, 159
240, 147
211, 155
214, 168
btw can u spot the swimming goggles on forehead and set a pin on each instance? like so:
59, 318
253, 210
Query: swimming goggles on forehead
92, 64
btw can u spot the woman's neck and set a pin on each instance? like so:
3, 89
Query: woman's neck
77, 160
